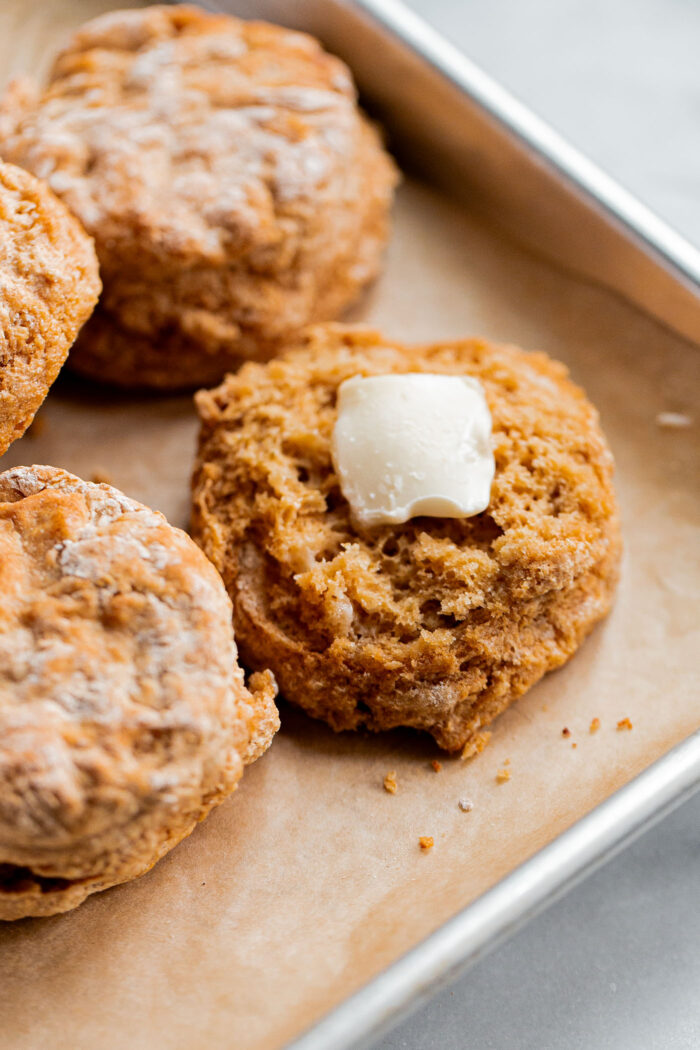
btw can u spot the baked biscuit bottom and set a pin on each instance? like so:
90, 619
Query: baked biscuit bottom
436, 624
26, 892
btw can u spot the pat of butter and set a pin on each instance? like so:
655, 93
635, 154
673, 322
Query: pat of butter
409, 445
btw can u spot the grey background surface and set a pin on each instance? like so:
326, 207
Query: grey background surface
616, 964
620, 79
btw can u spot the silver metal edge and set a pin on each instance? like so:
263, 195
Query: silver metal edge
451, 121
669, 781
516, 899
598, 836
582, 173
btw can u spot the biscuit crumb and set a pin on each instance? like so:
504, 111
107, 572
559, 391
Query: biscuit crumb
466, 805
437, 766
594, 726
624, 723
566, 732
476, 745
426, 843
673, 420
574, 745
101, 477
502, 776
390, 784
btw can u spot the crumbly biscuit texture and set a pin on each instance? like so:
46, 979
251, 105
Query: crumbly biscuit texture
234, 189
48, 287
124, 716
437, 624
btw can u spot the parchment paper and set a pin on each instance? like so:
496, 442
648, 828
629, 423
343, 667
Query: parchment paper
310, 879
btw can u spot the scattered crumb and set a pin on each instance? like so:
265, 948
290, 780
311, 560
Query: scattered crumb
437, 766
481, 741
507, 762
673, 420
101, 477
574, 745
390, 782
566, 732
502, 776
476, 745
544, 707
426, 842
594, 726
37, 427
466, 805
624, 723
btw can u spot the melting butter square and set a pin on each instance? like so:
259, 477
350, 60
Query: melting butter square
410, 445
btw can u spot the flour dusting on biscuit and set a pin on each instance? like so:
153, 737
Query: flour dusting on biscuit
124, 716
234, 189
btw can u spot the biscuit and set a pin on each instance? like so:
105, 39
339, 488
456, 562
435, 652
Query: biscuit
48, 287
438, 623
234, 190
124, 717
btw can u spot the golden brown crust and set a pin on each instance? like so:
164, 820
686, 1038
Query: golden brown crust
437, 624
124, 717
48, 286
111, 354
234, 190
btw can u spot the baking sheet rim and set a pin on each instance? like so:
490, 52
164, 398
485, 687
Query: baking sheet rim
521, 894
511, 903
635, 220
662, 786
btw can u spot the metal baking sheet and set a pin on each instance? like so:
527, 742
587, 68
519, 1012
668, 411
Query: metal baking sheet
465, 132
308, 884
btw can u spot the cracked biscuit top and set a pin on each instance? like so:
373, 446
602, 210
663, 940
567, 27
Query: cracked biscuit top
234, 189
124, 716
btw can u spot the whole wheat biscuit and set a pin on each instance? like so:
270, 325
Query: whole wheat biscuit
437, 624
124, 717
48, 287
234, 190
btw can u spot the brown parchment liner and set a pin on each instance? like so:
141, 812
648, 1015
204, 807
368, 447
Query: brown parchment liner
310, 879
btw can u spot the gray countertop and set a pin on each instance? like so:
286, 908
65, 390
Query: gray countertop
620, 79
616, 964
